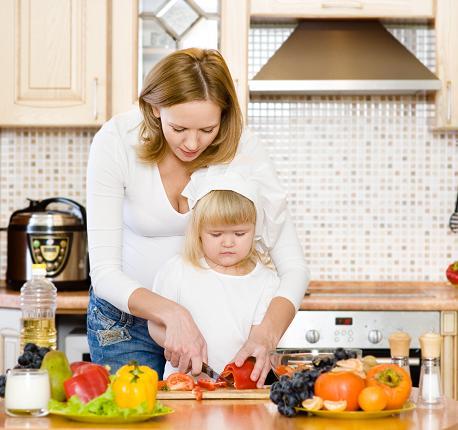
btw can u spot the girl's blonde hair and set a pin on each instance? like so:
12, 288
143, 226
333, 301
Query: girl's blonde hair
184, 76
218, 207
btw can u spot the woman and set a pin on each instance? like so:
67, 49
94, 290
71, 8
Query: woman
139, 163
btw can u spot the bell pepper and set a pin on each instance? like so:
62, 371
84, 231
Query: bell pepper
240, 375
91, 382
134, 385
79, 367
452, 273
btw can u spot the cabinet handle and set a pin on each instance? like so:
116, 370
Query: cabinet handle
449, 101
339, 5
94, 96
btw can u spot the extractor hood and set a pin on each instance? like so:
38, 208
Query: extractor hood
342, 57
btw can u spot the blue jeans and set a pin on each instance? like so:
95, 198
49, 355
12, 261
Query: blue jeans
116, 337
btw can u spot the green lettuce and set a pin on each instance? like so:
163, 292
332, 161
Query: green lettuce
103, 405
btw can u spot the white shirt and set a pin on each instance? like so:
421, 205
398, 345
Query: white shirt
224, 307
133, 229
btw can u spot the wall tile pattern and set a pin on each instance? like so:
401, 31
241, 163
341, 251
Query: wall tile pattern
371, 187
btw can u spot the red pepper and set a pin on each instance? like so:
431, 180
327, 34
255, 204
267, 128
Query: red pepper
240, 375
90, 383
210, 385
79, 367
452, 273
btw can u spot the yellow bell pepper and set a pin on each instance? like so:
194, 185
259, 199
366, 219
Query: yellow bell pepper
134, 385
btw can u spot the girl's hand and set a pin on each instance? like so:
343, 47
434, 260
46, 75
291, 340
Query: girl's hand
184, 345
258, 345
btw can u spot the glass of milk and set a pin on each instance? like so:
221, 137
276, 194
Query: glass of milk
27, 392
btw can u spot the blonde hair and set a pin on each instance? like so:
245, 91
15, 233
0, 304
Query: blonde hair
184, 76
218, 207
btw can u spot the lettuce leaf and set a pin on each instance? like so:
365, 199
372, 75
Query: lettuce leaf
103, 405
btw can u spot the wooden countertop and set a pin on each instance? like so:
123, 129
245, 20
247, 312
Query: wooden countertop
250, 414
341, 295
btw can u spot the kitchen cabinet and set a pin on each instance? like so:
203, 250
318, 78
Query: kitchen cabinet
10, 322
57, 57
447, 64
411, 9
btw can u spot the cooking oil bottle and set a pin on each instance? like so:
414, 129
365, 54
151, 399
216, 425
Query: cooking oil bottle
38, 306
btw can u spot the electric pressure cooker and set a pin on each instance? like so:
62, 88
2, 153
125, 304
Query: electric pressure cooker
55, 237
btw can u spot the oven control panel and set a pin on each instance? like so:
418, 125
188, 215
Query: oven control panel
356, 329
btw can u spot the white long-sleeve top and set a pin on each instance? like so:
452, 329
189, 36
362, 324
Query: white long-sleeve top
133, 229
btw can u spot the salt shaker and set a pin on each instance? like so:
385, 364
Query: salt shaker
399, 348
430, 395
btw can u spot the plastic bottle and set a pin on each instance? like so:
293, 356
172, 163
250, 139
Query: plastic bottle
38, 306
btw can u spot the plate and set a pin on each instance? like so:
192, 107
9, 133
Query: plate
360, 415
114, 419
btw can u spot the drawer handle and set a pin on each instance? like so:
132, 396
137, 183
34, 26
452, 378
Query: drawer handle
339, 5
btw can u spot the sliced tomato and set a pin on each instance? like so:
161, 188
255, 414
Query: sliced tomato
210, 385
162, 386
180, 382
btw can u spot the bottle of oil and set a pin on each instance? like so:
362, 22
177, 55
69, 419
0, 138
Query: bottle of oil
38, 306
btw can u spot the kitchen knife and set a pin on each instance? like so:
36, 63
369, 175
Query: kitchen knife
215, 375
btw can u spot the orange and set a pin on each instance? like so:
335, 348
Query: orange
338, 406
313, 404
372, 399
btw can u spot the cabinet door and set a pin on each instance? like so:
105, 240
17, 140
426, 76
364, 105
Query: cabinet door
56, 57
447, 63
343, 8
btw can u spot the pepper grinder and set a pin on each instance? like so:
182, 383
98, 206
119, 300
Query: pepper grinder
430, 395
399, 348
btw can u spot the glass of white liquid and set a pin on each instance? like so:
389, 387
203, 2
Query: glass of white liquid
27, 392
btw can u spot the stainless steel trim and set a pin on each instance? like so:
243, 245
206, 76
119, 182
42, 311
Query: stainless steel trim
342, 86
413, 361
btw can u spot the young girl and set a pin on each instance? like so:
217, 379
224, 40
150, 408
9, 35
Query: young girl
220, 278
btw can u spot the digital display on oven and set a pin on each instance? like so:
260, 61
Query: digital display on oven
344, 321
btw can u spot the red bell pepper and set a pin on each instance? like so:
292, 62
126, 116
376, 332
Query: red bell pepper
240, 375
210, 385
452, 273
79, 367
90, 383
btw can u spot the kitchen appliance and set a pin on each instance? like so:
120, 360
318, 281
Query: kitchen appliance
366, 330
53, 232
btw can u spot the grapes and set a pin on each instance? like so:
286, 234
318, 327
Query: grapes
31, 358
290, 391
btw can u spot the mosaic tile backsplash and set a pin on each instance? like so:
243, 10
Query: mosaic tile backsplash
371, 186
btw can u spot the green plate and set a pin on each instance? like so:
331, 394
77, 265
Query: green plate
360, 415
112, 419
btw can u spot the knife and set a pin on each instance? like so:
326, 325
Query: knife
215, 375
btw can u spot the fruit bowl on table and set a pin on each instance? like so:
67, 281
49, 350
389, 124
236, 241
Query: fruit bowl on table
286, 361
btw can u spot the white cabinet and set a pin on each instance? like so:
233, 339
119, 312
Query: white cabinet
10, 325
343, 8
55, 58
447, 64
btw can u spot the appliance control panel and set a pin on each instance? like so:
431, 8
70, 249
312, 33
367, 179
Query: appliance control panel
357, 329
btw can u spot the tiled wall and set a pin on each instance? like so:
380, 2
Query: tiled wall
371, 186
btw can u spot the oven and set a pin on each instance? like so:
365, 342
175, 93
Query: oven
366, 330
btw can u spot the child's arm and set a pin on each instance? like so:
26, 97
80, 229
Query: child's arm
157, 333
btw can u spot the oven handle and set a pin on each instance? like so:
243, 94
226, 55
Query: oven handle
413, 361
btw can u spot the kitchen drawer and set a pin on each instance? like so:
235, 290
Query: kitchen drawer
412, 9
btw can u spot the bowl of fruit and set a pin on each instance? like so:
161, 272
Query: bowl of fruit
286, 361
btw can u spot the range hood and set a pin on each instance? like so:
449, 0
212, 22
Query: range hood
343, 57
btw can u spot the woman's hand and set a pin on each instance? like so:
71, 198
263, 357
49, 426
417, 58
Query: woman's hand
184, 345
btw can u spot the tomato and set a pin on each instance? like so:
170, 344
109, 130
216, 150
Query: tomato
372, 399
180, 382
134, 385
394, 380
340, 386
284, 370
210, 385
452, 273
240, 375
162, 386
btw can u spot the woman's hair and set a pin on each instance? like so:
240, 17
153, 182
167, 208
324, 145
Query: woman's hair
218, 207
184, 76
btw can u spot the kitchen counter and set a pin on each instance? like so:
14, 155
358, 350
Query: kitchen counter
250, 414
408, 296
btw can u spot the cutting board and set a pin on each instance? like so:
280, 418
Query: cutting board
222, 393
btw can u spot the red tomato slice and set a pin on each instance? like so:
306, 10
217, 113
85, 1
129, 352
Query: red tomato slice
210, 385
162, 386
180, 382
